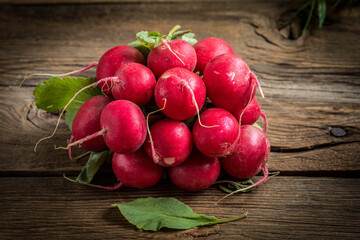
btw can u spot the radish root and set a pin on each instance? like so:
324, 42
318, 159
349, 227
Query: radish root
186, 84
265, 120
87, 138
58, 75
154, 155
266, 177
70, 152
252, 75
111, 188
168, 46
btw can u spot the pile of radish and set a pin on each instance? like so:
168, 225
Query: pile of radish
202, 122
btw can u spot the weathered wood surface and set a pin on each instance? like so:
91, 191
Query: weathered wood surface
308, 88
284, 208
311, 86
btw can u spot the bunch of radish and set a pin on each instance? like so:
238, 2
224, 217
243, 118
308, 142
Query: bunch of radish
203, 119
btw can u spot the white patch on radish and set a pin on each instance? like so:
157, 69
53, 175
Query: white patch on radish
216, 72
169, 161
231, 75
166, 75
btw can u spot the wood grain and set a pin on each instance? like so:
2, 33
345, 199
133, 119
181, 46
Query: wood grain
284, 207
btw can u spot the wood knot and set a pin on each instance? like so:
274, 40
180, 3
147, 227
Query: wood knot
290, 26
337, 132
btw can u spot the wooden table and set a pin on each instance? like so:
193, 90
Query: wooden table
312, 90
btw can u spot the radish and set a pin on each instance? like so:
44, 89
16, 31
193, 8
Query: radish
136, 169
87, 122
176, 53
251, 114
216, 141
249, 155
137, 83
171, 142
124, 126
196, 173
184, 92
111, 61
207, 49
229, 82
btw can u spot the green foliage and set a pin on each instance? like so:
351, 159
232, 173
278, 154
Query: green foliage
150, 40
53, 95
96, 160
155, 213
230, 187
321, 12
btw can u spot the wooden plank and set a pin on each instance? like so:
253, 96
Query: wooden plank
300, 142
301, 69
284, 207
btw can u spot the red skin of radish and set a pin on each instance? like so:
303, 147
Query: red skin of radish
125, 126
217, 141
196, 173
179, 104
207, 49
172, 142
161, 58
87, 122
137, 84
229, 82
251, 114
111, 61
247, 159
136, 169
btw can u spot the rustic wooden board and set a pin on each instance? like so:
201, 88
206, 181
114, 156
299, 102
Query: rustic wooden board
284, 207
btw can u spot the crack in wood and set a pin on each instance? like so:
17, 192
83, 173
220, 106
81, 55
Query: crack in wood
266, 39
309, 148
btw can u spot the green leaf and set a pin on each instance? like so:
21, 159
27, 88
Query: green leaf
321, 12
309, 16
155, 213
53, 95
233, 186
144, 50
95, 161
147, 41
190, 38
299, 10
258, 126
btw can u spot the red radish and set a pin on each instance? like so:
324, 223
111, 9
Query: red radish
250, 154
176, 53
184, 92
137, 84
111, 61
87, 122
207, 49
196, 173
136, 169
172, 142
217, 141
124, 126
229, 82
251, 114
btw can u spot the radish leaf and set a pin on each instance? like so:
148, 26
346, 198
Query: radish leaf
96, 160
155, 213
53, 95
